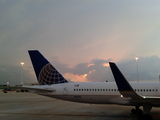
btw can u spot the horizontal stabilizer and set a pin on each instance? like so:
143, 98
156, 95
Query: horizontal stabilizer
33, 89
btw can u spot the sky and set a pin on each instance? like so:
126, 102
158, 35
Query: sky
80, 37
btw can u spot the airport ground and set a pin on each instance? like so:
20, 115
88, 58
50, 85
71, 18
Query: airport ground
29, 106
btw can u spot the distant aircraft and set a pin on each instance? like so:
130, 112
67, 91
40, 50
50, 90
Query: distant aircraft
53, 84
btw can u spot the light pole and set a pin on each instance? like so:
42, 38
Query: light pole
22, 63
137, 67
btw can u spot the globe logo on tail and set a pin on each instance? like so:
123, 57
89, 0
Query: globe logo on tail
49, 75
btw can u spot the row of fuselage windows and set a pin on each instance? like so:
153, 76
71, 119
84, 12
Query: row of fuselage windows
137, 90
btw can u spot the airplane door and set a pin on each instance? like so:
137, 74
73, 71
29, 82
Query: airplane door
65, 89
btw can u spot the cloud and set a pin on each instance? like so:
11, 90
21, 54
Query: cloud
13, 74
91, 71
94, 70
148, 68
98, 69
81, 31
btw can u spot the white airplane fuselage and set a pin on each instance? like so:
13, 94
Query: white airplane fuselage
99, 92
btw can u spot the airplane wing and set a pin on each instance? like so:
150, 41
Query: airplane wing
126, 89
36, 89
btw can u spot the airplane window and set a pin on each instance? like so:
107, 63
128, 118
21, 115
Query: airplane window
74, 89
144, 90
87, 89
138, 90
84, 89
147, 90
103, 89
106, 89
79, 89
153, 90
114, 89
98, 89
92, 89
95, 89
134, 89
141, 90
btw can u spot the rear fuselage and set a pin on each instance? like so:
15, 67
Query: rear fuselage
99, 92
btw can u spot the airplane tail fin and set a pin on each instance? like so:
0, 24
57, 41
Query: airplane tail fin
46, 74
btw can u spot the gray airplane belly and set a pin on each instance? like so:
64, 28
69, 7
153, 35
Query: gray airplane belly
92, 99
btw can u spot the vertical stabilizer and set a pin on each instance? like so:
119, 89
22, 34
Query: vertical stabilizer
46, 74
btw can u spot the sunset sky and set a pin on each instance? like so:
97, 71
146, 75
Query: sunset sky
80, 37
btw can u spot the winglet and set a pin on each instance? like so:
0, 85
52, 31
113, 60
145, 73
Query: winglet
127, 91
123, 85
121, 81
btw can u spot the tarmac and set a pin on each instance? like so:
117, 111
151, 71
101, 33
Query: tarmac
30, 106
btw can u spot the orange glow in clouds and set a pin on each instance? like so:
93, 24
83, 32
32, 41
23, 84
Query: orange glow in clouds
76, 78
106, 64
85, 75
90, 65
92, 71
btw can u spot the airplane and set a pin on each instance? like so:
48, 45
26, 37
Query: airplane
126, 90
53, 84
